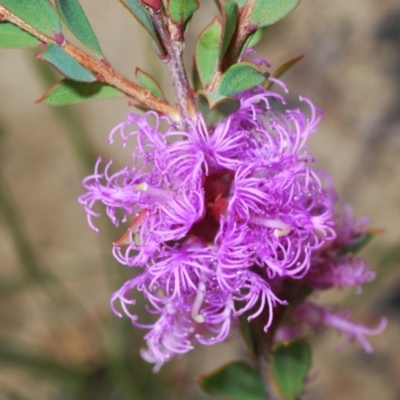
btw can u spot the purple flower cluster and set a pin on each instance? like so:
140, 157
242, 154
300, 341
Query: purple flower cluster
218, 217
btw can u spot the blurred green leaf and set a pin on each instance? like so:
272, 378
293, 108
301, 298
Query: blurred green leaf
237, 381
12, 36
24, 358
40, 14
149, 83
181, 11
241, 3
74, 17
207, 52
9, 287
22, 246
138, 11
290, 366
215, 107
64, 63
239, 77
70, 92
267, 12
230, 12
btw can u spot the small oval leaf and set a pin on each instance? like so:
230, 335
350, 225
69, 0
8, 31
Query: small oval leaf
239, 77
136, 8
68, 91
215, 107
237, 381
255, 37
39, 14
67, 65
267, 12
74, 17
207, 51
11, 37
290, 366
241, 3
181, 11
149, 83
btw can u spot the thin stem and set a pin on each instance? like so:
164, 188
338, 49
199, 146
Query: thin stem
172, 40
103, 71
263, 345
263, 342
242, 32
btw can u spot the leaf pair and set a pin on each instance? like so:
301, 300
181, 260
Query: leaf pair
214, 43
43, 17
290, 364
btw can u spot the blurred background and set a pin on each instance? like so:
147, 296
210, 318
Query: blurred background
58, 337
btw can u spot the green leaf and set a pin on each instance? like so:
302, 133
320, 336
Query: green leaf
237, 380
70, 92
138, 11
12, 36
255, 37
17, 356
39, 14
195, 77
181, 11
246, 334
215, 107
241, 3
239, 77
207, 51
74, 17
290, 366
282, 69
267, 12
230, 12
67, 65
149, 83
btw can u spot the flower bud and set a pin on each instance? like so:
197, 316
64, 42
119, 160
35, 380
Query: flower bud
155, 5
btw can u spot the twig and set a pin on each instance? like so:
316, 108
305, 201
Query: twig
103, 71
171, 38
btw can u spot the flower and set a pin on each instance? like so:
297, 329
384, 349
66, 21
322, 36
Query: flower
316, 317
218, 218
335, 264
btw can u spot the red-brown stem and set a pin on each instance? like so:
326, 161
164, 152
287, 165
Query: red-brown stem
171, 38
103, 71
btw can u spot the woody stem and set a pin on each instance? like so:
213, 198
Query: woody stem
102, 70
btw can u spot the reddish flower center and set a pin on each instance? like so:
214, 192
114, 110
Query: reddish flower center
216, 195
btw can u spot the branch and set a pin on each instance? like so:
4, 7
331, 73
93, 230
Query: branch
101, 68
171, 38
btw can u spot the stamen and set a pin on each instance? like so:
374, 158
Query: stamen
141, 187
280, 228
154, 192
198, 301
